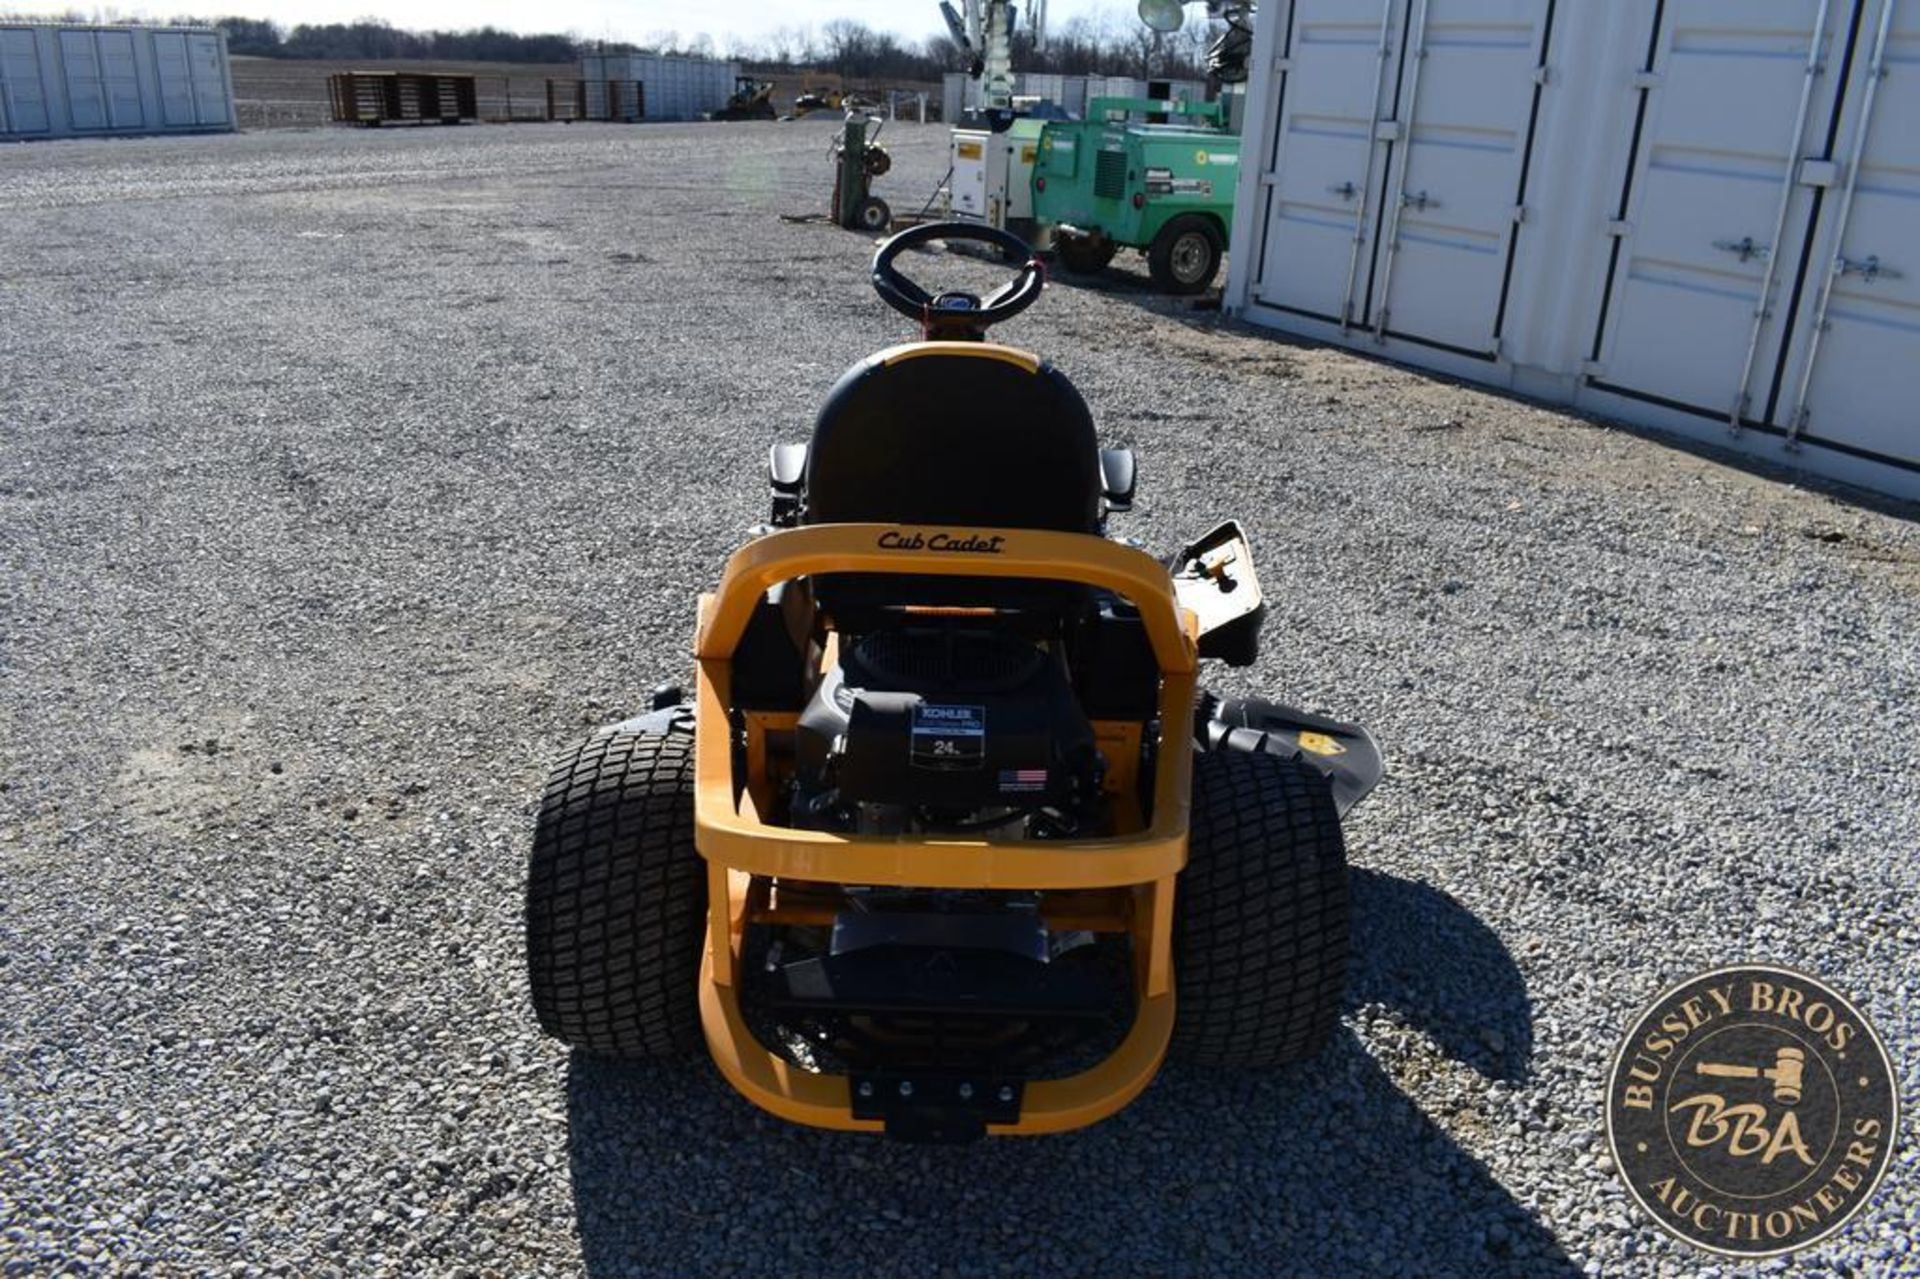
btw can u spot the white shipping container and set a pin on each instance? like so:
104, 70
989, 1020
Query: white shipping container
1073, 95
1044, 85
1681, 214
64, 81
672, 88
608, 82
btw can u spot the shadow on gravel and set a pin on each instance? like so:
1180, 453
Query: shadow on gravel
1323, 1168
1422, 953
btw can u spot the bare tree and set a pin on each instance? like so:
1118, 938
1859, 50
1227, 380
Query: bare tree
795, 46
737, 48
1144, 51
848, 43
1109, 41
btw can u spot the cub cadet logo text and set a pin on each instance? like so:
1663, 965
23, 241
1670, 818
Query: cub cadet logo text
970, 543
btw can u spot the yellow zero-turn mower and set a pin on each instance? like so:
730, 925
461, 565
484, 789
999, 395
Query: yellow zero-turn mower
949, 841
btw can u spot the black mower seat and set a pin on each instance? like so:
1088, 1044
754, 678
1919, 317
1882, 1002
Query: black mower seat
957, 434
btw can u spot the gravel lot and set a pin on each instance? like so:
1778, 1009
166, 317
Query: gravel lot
347, 477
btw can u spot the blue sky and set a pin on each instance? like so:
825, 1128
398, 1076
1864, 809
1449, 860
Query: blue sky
608, 19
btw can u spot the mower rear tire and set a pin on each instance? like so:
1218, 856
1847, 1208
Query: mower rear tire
1084, 254
1185, 256
617, 898
1260, 914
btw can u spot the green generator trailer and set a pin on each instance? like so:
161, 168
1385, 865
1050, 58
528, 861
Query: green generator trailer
1121, 178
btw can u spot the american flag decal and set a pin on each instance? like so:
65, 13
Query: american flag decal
1023, 779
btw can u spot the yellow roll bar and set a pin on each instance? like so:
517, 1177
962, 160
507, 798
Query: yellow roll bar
737, 844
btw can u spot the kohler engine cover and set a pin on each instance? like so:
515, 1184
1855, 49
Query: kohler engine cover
949, 720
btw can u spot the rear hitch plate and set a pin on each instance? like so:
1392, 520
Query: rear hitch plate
935, 1109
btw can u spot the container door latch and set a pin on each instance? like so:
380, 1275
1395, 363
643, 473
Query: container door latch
1743, 248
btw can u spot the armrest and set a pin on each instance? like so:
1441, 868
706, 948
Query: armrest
787, 473
787, 467
1117, 478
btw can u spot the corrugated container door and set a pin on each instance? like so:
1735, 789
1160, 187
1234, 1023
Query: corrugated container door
22, 95
1711, 220
1323, 177
652, 74
212, 102
122, 79
1467, 99
679, 77
86, 90
593, 76
177, 108
1073, 97
1855, 380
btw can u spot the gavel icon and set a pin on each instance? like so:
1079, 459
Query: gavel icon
1787, 1073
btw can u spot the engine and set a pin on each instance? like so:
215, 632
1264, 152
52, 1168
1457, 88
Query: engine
946, 729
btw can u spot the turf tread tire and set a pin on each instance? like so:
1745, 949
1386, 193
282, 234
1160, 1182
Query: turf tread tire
1260, 935
617, 898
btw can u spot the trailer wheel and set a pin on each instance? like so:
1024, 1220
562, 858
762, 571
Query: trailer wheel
1084, 254
1185, 256
1260, 914
872, 214
617, 898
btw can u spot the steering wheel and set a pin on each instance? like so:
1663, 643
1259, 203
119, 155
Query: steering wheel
954, 314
